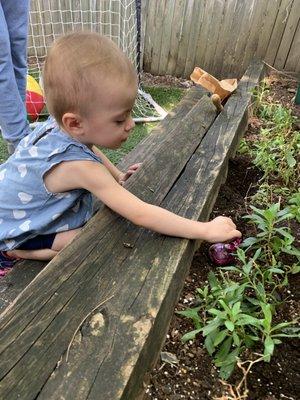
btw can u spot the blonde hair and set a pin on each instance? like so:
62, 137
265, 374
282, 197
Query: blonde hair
74, 64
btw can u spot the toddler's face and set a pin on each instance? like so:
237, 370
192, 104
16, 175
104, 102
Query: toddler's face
109, 122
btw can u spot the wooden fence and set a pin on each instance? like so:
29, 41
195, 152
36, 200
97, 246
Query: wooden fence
220, 36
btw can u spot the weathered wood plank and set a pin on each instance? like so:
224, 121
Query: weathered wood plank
175, 153
293, 59
157, 10
214, 34
253, 38
196, 22
185, 33
278, 29
176, 29
220, 43
204, 35
224, 32
237, 15
288, 35
166, 22
120, 341
25, 271
269, 18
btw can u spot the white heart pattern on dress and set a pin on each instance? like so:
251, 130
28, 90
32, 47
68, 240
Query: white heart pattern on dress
2, 174
55, 151
24, 197
25, 226
33, 151
63, 195
19, 214
17, 154
22, 169
76, 207
25, 141
63, 228
10, 243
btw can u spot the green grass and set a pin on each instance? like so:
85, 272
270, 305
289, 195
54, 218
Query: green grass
3, 151
165, 97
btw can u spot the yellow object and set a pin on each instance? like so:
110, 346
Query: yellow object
33, 86
34, 99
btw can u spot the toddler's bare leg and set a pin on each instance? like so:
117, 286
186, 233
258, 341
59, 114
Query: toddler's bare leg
43, 254
60, 241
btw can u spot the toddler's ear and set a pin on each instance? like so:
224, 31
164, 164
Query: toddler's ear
72, 124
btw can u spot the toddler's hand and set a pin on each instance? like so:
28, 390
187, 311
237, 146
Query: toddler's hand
131, 170
221, 229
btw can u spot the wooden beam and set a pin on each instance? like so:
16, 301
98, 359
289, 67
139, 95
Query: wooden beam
108, 307
25, 271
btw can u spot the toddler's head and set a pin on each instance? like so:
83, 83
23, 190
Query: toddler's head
90, 88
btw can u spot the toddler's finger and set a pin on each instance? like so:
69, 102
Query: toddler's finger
134, 167
236, 234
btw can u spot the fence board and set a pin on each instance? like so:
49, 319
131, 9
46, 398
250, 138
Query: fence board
158, 27
221, 36
184, 36
232, 36
214, 34
165, 36
224, 31
224, 35
277, 32
193, 39
204, 34
254, 36
293, 59
241, 38
269, 18
288, 35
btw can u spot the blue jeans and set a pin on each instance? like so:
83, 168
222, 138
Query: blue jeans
13, 69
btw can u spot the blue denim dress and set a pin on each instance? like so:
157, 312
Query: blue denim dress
27, 208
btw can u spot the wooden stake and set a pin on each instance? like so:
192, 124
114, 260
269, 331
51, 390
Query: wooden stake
215, 98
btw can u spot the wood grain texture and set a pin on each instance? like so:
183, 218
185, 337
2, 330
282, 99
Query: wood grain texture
119, 340
25, 271
223, 36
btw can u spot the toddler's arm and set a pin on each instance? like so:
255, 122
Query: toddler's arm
119, 176
108, 164
96, 179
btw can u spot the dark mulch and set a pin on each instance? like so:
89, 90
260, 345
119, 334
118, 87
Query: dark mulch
194, 376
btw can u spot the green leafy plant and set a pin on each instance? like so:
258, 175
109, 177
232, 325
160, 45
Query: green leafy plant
268, 194
271, 236
235, 311
232, 317
276, 154
294, 205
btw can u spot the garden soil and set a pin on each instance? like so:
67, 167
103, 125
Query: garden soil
190, 374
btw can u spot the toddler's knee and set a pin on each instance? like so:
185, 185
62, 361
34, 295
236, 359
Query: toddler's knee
62, 239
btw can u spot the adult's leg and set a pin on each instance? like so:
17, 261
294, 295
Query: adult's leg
13, 69
62, 239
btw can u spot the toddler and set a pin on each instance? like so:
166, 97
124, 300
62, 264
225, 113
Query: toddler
46, 186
